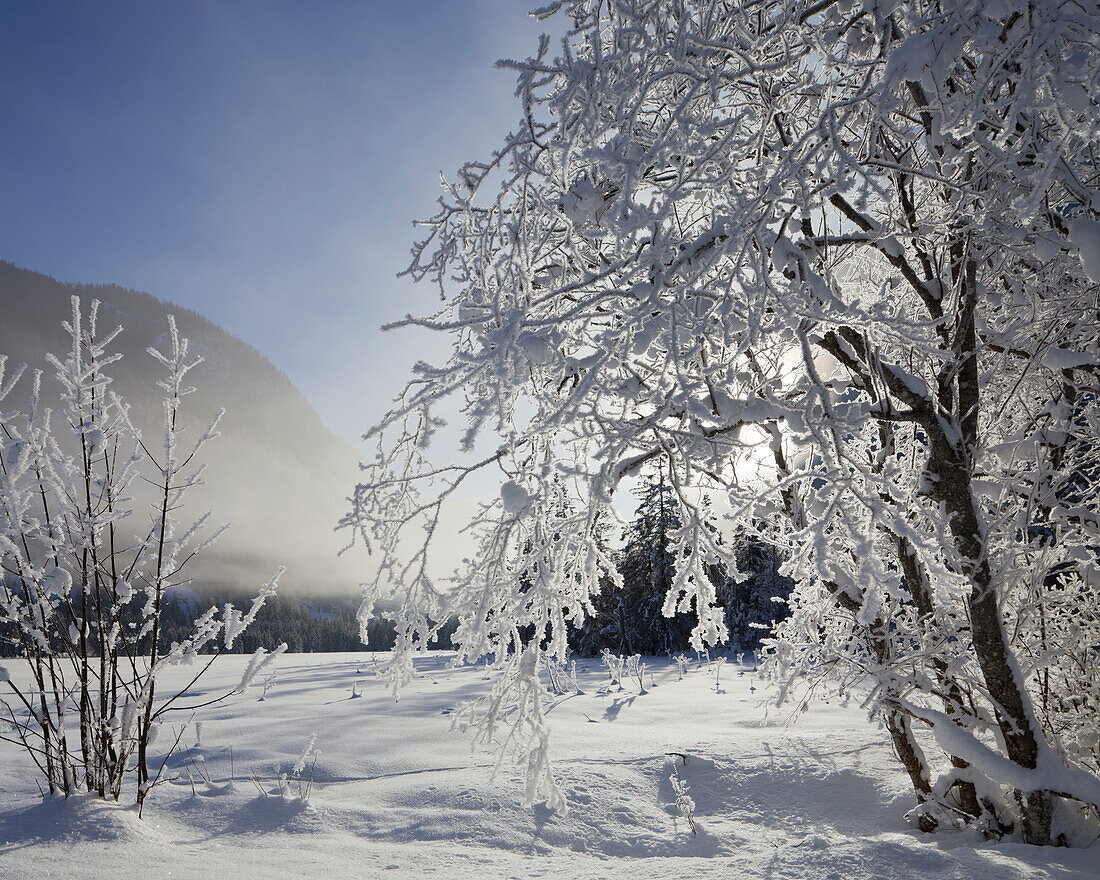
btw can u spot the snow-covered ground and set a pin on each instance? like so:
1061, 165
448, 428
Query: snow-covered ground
397, 794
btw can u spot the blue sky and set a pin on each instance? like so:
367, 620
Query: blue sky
258, 162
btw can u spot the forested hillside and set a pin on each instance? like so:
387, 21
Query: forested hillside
276, 474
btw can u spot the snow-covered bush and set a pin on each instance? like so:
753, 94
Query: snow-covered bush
563, 679
297, 783
635, 668
684, 804
91, 541
682, 666
835, 262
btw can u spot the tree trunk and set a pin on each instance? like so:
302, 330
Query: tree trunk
913, 760
1011, 702
916, 578
906, 746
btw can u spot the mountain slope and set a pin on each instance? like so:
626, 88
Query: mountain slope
276, 474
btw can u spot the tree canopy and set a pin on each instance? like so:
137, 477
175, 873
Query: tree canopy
838, 262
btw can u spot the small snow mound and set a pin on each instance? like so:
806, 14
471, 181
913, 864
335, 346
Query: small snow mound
80, 818
514, 498
57, 582
688, 760
584, 204
265, 814
537, 348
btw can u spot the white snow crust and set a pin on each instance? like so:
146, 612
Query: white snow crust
398, 795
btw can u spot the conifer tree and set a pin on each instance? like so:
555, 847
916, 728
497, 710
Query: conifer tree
648, 568
758, 600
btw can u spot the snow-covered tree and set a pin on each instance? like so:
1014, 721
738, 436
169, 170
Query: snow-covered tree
756, 593
839, 262
647, 564
91, 542
633, 619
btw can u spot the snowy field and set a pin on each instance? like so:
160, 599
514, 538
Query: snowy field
397, 794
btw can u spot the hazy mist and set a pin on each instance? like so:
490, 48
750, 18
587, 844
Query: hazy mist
276, 473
